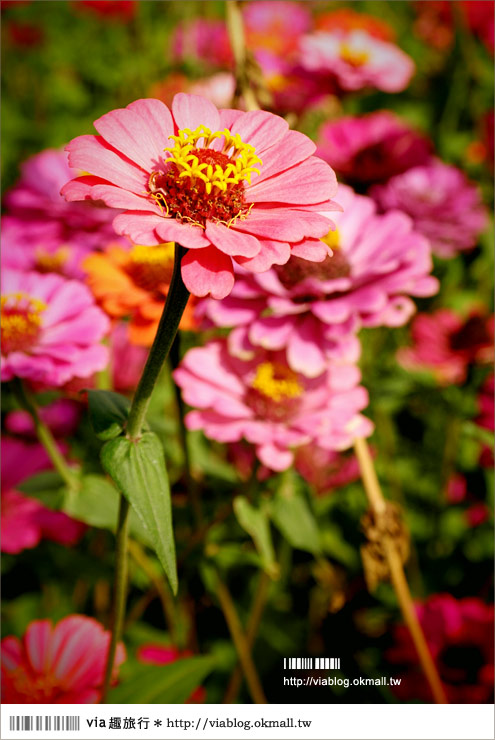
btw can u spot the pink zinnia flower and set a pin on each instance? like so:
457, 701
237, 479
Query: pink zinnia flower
443, 204
51, 329
64, 664
371, 148
355, 59
164, 655
40, 222
459, 633
275, 26
265, 402
446, 344
203, 39
312, 310
224, 184
25, 522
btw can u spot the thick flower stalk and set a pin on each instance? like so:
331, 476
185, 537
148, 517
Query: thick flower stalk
226, 185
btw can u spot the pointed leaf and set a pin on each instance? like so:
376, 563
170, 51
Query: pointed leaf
256, 523
291, 514
108, 412
163, 684
138, 468
97, 503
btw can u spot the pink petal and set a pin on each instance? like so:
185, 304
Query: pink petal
159, 121
92, 154
272, 332
313, 250
191, 111
188, 235
116, 197
208, 271
274, 457
293, 148
271, 253
309, 182
284, 224
139, 226
260, 129
230, 242
37, 641
228, 116
126, 131
303, 351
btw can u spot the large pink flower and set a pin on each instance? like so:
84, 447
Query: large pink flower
51, 329
224, 184
446, 344
43, 231
356, 59
371, 148
312, 310
265, 402
443, 204
25, 521
64, 664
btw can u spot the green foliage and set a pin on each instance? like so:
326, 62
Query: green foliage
166, 684
256, 523
108, 412
138, 468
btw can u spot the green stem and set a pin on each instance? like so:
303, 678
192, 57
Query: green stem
28, 402
177, 298
119, 592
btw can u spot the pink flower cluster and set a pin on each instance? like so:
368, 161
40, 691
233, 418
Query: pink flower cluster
313, 311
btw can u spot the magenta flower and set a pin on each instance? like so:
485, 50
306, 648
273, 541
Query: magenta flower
64, 664
312, 310
62, 417
203, 39
355, 60
127, 360
51, 329
25, 521
459, 633
43, 231
443, 204
371, 148
446, 344
225, 184
265, 402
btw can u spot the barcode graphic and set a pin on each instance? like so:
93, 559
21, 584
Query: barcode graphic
31, 723
301, 664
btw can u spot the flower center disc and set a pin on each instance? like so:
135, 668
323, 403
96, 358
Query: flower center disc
51, 261
151, 267
334, 266
354, 57
274, 391
20, 322
202, 183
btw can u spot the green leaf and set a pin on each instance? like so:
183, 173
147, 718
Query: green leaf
139, 470
96, 503
292, 516
108, 412
256, 523
164, 684
47, 487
